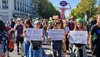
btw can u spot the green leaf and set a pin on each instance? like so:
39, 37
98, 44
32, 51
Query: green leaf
94, 37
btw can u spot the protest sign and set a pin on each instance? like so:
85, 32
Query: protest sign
56, 34
34, 34
78, 37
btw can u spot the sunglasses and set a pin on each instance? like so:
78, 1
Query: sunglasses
58, 23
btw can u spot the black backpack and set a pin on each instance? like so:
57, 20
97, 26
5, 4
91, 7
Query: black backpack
36, 45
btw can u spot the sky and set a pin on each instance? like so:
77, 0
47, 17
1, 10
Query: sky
73, 3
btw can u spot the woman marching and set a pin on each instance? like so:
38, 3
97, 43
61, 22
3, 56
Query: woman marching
57, 44
79, 50
26, 42
35, 49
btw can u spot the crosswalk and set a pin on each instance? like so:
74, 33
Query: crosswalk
49, 53
89, 53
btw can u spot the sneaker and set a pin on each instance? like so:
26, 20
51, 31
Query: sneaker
18, 53
22, 56
8, 56
68, 51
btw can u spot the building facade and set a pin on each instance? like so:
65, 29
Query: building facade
15, 9
36, 11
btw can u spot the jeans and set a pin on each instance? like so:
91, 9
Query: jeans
19, 40
35, 53
46, 36
57, 48
26, 48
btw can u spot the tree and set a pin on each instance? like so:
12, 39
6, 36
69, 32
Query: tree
85, 7
46, 9
98, 10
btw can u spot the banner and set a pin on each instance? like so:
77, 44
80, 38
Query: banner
34, 34
56, 34
79, 37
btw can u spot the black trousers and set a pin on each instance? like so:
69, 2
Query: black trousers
81, 52
67, 43
57, 48
96, 47
19, 40
96, 51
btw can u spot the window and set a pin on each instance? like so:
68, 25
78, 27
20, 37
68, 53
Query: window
0, 6
23, 7
20, 7
18, 4
4, 4
15, 4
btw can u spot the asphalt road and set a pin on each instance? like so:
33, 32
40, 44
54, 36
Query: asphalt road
48, 51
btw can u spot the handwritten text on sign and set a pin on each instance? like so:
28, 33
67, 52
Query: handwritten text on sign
56, 34
79, 37
34, 34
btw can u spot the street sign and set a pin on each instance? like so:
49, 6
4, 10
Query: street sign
63, 3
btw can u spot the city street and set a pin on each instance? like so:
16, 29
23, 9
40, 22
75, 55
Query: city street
48, 52
46, 48
50, 28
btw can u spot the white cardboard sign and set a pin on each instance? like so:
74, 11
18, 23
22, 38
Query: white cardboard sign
79, 37
34, 34
56, 34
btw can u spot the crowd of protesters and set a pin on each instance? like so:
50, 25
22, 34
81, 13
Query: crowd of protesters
17, 31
